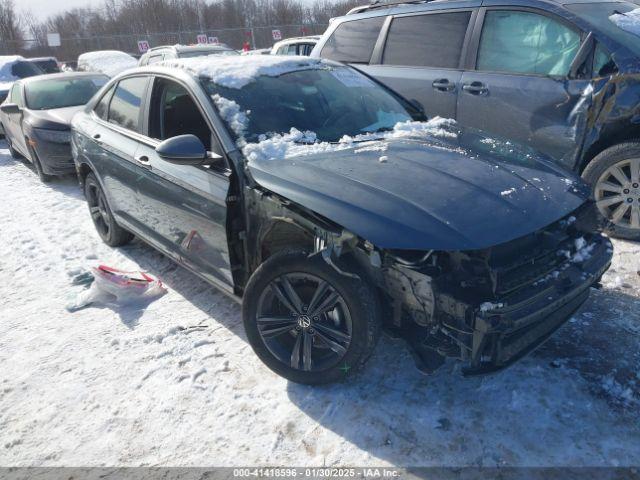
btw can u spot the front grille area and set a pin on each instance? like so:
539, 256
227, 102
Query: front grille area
540, 256
511, 297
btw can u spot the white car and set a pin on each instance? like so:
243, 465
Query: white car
295, 46
109, 62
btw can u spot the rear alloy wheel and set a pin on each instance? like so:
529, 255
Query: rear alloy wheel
615, 176
110, 232
306, 321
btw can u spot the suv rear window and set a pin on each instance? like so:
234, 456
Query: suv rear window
353, 41
124, 109
433, 40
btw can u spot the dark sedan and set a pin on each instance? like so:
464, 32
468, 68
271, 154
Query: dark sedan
333, 208
36, 118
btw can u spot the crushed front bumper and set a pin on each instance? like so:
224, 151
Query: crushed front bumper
55, 158
513, 327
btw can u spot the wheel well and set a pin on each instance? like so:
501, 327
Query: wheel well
607, 141
283, 234
83, 172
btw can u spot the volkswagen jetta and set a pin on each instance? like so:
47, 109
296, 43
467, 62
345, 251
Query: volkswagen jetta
333, 208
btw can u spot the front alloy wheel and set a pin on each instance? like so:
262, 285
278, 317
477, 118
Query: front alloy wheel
303, 321
617, 193
614, 175
308, 322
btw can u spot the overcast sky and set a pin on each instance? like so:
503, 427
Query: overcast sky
43, 8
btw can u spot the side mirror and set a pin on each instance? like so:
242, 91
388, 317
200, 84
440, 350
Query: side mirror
10, 108
182, 150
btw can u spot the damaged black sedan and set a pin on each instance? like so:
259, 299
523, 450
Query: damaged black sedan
333, 209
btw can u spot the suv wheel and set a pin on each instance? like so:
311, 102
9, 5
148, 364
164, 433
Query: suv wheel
615, 177
307, 322
110, 232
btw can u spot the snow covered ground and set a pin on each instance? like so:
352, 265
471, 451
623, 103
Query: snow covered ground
177, 383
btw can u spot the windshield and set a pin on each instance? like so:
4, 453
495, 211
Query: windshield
25, 69
331, 102
202, 53
60, 93
598, 15
49, 66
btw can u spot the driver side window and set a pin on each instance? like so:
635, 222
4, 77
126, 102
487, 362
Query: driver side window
174, 112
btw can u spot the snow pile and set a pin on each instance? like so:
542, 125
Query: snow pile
507, 192
6, 64
486, 306
231, 113
297, 143
583, 250
239, 71
109, 62
436, 127
629, 22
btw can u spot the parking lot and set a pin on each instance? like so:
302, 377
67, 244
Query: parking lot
176, 383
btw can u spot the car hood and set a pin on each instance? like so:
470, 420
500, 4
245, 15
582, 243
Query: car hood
463, 193
56, 118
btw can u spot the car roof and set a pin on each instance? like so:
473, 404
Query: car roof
230, 67
60, 76
307, 39
399, 6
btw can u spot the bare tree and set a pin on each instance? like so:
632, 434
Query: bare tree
117, 24
10, 28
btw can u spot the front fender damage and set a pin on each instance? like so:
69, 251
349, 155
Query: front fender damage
486, 308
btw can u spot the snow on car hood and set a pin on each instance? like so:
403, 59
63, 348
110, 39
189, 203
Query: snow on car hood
239, 71
629, 21
453, 191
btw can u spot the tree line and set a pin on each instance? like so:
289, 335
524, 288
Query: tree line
117, 22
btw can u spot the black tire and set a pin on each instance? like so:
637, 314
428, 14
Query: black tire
44, 177
597, 170
356, 314
110, 232
14, 153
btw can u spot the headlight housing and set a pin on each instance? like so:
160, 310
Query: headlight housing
55, 136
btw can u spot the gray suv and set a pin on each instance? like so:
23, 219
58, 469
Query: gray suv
560, 76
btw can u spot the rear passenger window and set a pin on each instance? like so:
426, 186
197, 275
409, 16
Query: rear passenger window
433, 40
154, 59
353, 41
124, 109
523, 42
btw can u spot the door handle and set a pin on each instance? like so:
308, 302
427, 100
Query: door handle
444, 85
475, 88
143, 160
